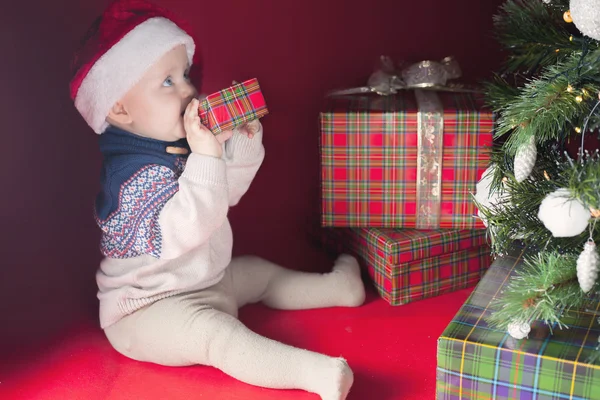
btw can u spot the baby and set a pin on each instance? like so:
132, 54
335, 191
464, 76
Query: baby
169, 289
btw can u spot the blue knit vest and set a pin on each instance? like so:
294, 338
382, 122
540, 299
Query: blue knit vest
124, 154
126, 157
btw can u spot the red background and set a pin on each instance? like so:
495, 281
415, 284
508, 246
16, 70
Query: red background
297, 49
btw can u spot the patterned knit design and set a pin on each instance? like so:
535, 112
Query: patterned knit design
133, 229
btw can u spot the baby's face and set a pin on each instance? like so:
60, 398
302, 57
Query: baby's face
157, 102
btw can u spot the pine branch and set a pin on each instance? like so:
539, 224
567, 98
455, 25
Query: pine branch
535, 34
516, 216
499, 93
552, 106
543, 289
583, 180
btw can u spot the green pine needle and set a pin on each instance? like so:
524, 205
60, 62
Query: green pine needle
533, 32
544, 289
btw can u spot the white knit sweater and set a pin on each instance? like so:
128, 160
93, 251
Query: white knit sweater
196, 238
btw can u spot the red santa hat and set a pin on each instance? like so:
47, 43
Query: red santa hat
129, 37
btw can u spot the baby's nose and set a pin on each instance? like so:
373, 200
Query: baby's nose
189, 91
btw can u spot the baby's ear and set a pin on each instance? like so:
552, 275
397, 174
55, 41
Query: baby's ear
118, 115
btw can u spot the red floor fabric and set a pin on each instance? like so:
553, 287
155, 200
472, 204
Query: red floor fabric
392, 351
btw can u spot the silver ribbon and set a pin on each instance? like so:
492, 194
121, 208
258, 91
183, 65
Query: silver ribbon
430, 123
425, 78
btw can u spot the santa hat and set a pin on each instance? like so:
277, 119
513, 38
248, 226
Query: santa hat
129, 37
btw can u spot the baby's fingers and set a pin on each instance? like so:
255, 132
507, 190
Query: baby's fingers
250, 129
253, 127
224, 136
191, 109
191, 119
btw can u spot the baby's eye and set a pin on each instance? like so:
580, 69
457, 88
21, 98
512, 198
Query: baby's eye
168, 82
186, 75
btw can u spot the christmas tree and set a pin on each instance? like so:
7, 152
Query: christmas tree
542, 189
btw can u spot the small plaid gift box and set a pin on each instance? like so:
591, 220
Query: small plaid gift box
232, 107
397, 162
478, 362
408, 264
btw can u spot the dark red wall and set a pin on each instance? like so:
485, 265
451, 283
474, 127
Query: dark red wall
297, 49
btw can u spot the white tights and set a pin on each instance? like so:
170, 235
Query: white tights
202, 327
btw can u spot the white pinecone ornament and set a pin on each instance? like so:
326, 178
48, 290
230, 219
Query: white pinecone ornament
519, 329
587, 266
525, 160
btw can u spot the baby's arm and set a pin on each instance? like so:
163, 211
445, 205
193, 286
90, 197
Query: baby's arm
200, 206
197, 209
243, 154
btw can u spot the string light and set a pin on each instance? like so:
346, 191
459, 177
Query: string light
571, 38
579, 99
567, 17
578, 129
569, 88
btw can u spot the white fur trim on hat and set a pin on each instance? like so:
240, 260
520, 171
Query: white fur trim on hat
124, 64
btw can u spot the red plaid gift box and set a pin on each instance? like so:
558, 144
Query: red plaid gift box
410, 264
232, 107
376, 156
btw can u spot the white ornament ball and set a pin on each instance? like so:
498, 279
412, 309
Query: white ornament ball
518, 329
562, 215
586, 17
483, 196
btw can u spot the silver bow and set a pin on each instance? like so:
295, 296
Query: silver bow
431, 75
425, 78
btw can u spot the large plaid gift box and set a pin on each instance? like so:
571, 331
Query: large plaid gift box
403, 161
477, 362
408, 264
232, 107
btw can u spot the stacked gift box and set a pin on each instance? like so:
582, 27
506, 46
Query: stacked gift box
409, 264
397, 177
476, 361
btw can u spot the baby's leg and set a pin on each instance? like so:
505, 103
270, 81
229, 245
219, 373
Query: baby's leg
181, 331
256, 279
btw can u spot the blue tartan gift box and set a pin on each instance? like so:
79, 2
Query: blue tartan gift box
478, 362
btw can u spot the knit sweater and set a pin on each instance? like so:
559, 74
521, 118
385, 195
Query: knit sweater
164, 217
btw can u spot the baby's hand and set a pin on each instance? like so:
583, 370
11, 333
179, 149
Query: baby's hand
250, 129
199, 137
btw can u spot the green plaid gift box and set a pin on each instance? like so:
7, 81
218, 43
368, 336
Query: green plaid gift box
477, 362
409, 264
369, 159
232, 107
